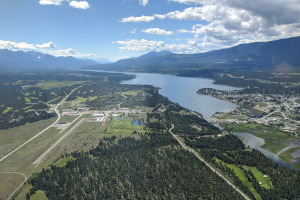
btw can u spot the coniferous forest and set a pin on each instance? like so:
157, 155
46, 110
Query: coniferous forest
153, 167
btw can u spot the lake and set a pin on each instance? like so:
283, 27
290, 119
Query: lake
183, 90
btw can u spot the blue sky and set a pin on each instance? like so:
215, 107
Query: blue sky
115, 29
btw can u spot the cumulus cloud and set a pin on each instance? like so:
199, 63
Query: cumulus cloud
144, 45
48, 48
74, 4
157, 31
69, 52
272, 11
51, 2
224, 23
23, 46
80, 4
188, 1
46, 45
144, 2
137, 19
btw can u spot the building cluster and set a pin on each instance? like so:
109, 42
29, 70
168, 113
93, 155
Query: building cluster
273, 110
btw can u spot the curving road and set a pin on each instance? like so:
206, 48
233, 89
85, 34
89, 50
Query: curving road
25, 179
57, 120
184, 146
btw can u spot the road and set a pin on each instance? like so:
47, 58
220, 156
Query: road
271, 113
57, 120
25, 179
44, 155
184, 146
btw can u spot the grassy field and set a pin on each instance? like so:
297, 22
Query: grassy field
56, 84
21, 161
241, 176
266, 182
275, 140
129, 93
56, 99
8, 183
82, 100
123, 126
7, 109
83, 138
229, 116
14, 137
287, 156
68, 118
39, 195
63, 161
261, 104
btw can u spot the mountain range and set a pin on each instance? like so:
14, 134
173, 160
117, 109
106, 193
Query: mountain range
278, 55
18, 61
274, 55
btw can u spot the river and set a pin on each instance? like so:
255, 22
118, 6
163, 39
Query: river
183, 90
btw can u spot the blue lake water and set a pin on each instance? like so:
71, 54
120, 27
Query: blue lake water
183, 90
137, 123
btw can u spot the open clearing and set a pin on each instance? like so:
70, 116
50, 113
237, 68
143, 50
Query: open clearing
123, 125
14, 137
241, 176
265, 181
56, 84
8, 183
39, 195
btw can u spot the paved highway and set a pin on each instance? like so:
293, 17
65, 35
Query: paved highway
184, 146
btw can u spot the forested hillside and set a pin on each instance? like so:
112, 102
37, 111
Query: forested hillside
152, 167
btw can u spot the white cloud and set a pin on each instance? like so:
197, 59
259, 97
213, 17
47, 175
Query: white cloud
188, 1
80, 4
224, 23
23, 46
140, 45
138, 19
44, 48
69, 52
46, 45
144, 2
51, 2
157, 31
75, 4
150, 45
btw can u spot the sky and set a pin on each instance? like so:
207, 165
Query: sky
117, 29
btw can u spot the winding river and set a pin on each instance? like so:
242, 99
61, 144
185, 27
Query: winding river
183, 90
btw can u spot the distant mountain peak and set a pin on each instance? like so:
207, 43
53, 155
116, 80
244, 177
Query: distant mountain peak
154, 53
30, 61
251, 56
